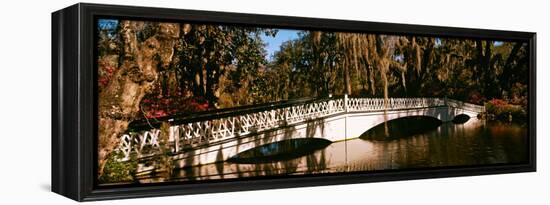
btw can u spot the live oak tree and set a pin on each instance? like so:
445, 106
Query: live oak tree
147, 49
159, 61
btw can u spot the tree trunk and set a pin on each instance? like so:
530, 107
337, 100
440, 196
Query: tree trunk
119, 102
507, 73
481, 67
347, 79
488, 72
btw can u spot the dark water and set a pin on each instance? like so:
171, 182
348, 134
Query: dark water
448, 144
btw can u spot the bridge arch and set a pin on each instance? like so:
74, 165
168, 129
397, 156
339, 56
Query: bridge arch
359, 123
461, 118
280, 150
401, 127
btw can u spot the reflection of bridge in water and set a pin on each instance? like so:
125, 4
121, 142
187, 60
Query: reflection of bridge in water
215, 137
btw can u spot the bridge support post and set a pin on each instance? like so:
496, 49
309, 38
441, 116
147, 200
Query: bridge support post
346, 118
346, 102
175, 136
447, 116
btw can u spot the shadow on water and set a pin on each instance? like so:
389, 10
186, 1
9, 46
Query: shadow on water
280, 151
402, 127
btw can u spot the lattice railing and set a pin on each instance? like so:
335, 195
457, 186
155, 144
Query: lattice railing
201, 132
466, 106
377, 104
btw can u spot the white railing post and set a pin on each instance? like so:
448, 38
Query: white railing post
174, 134
330, 104
285, 110
346, 102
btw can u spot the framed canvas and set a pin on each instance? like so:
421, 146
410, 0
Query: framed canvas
156, 101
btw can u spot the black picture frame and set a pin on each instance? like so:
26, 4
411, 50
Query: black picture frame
74, 112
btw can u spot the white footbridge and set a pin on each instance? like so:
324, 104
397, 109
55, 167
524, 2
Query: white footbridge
217, 137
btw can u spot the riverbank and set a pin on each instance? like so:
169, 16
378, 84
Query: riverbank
503, 111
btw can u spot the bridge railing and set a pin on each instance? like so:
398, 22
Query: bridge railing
465, 105
201, 130
229, 125
377, 104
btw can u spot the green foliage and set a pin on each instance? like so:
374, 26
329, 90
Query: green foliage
501, 110
119, 172
212, 62
220, 66
164, 160
319, 63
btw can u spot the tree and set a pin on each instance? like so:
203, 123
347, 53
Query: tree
209, 53
147, 49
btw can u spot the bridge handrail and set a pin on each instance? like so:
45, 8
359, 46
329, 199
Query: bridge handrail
469, 106
377, 104
180, 118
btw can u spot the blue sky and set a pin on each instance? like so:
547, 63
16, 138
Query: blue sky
107, 23
273, 43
